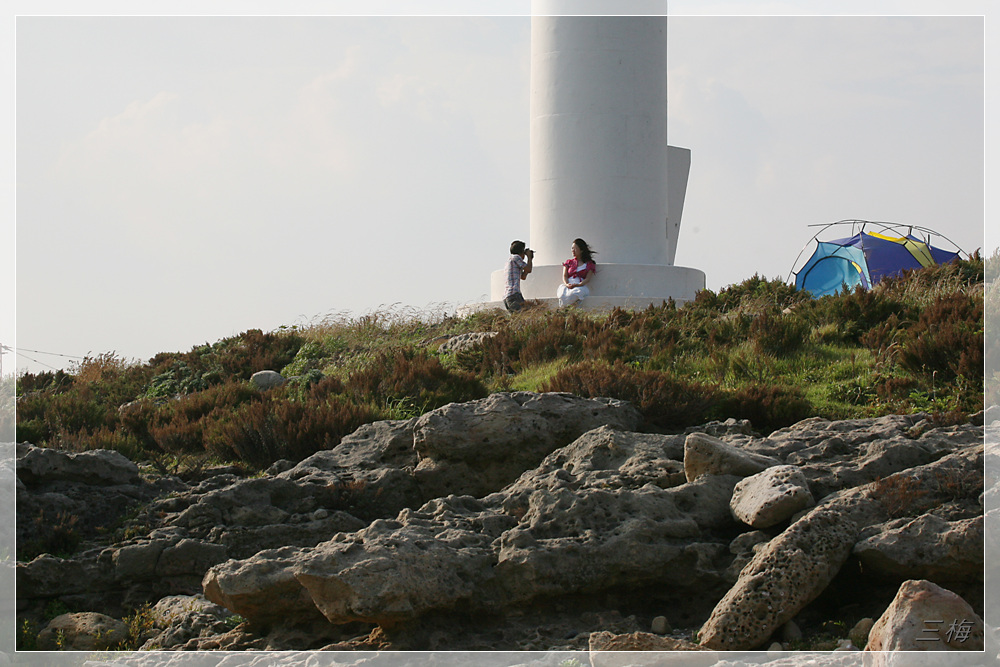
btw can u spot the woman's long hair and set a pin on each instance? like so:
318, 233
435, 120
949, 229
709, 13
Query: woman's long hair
586, 254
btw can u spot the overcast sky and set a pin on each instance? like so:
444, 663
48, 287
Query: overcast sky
185, 178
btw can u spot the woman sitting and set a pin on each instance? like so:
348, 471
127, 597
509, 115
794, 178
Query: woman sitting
577, 272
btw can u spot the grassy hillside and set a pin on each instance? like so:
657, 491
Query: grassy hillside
758, 350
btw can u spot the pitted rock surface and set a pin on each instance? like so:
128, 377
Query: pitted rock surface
927, 547
479, 447
771, 496
595, 521
434, 557
780, 580
465, 342
835, 455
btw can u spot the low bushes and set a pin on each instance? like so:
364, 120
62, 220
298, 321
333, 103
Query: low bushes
758, 350
265, 431
415, 375
662, 399
673, 403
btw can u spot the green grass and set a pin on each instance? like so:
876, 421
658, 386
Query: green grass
758, 349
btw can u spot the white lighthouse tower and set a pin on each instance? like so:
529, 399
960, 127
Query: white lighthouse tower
600, 167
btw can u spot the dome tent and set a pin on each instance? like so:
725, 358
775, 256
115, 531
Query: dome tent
867, 256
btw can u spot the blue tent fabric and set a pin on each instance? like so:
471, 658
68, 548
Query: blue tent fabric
833, 264
864, 259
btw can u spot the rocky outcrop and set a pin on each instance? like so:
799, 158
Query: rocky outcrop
927, 547
100, 467
561, 529
522, 508
479, 447
795, 567
435, 557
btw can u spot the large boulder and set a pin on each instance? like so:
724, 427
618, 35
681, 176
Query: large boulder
927, 547
707, 455
97, 467
433, 558
781, 579
82, 631
479, 447
771, 496
925, 617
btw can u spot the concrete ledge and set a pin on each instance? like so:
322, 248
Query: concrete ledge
626, 285
595, 303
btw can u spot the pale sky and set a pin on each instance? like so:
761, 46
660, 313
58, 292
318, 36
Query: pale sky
181, 179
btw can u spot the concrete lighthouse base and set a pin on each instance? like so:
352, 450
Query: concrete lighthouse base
632, 286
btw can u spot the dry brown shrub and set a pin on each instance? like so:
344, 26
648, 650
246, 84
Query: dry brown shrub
663, 399
899, 494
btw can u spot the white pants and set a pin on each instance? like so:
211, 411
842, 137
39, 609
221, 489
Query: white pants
569, 295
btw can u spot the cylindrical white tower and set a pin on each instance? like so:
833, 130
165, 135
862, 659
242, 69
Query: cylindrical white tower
599, 137
600, 166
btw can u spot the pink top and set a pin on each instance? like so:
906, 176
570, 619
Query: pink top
577, 271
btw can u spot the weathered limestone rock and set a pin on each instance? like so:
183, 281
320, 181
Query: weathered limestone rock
381, 444
707, 455
835, 455
466, 341
925, 617
138, 561
169, 609
371, 469
189, 557
571, 542
479, 447
780, 580
97, 467
181, 618
928, 547
593, 517
427, 559
263, 588
604, 458
660, 626
770, 496
83, 631
301, 530
265, 380
185, 628
49, 577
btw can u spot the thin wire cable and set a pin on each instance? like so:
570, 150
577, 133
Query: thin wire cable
37, 361
54, 354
